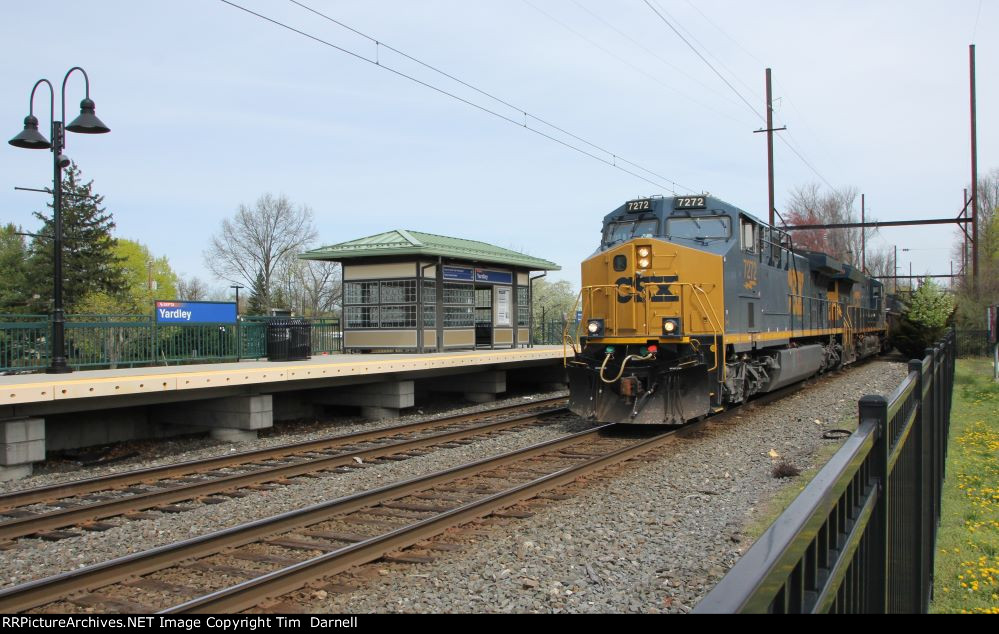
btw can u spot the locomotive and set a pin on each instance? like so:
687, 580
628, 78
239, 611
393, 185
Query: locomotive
691, 305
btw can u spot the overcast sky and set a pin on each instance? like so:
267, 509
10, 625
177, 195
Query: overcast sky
211, 107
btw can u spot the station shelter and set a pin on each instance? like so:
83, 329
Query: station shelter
419, 292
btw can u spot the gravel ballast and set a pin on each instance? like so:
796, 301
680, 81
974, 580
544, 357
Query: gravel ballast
652, 538
32, 558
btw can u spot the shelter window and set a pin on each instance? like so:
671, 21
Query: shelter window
361, 292
523, 306
398, 291
459, 316
429, 292
361, 316
463, 294
398, 316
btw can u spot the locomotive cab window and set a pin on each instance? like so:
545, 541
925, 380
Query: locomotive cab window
700, 227
626, 230
750, 233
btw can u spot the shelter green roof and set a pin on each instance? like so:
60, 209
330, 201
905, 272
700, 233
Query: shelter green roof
403, 242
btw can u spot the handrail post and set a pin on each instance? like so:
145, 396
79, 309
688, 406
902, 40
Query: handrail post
924, 477
875, 408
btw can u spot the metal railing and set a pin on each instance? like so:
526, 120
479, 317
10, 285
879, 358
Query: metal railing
115, 341
860, 537
973, 343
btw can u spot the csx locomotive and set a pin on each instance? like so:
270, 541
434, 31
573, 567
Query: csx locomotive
691, 305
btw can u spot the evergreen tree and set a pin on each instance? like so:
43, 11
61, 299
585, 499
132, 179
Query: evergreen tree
89, 262
14, 293
924, 321
258, 302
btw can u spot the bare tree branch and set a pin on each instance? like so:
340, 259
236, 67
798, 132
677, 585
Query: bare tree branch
259, 239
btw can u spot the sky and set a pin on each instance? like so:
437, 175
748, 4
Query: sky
210, 107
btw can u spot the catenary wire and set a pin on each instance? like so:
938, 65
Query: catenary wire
614, 162
482, 92
738, 94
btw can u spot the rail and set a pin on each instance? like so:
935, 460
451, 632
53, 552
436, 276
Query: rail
860, 537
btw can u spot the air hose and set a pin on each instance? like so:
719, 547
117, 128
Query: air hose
624, 363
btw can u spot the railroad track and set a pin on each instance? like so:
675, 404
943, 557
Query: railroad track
273, 556
42, 511
251, 564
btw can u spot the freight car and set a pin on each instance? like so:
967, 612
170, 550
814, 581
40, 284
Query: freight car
691, 305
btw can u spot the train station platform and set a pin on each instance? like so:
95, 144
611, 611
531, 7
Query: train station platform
47, 412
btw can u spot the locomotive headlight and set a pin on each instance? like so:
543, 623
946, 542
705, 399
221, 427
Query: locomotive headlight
595, 327
643, 263
643, 252
671, 326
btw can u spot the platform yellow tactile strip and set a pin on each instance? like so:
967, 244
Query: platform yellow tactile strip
79, 386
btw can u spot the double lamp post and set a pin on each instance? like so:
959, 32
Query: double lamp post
30, 138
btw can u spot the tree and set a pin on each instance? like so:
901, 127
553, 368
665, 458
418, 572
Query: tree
809, 206
258, 304
148, 278
192, 290
552, 301
315, 287
924, 321
14, 292
258, 240
972, 299
90, 264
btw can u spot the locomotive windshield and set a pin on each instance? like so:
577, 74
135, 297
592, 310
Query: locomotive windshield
700, 227
625, 230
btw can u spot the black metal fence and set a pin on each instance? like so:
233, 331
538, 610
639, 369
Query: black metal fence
860, 537
550, 332
973, 343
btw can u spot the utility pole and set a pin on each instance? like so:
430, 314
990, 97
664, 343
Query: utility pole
974, 174
894, 269
964, 252
770, 148
863, 239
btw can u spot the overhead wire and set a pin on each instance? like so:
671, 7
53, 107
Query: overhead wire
627, 63
614, 160
787, 143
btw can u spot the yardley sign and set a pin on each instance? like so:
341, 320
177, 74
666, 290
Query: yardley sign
175, 312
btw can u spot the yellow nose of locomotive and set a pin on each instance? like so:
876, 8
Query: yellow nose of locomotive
649, 289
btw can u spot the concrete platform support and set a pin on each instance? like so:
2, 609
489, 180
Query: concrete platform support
376, 400
22, 442
294, 406
548, 378
231, 419
477, 387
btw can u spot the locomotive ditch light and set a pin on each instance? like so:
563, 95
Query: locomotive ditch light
595, 327
671, 326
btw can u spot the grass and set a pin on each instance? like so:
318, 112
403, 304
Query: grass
966, 577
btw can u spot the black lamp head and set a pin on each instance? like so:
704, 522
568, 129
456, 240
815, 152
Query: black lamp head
30, 138
87, 122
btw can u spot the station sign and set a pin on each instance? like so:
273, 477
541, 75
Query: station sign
180, 312
469, 274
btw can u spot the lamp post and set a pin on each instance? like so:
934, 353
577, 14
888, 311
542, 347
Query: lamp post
239, 343
30, 138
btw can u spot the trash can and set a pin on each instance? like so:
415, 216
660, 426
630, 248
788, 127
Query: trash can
289, 340
300, 345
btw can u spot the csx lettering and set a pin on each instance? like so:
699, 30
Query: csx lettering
662, 283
